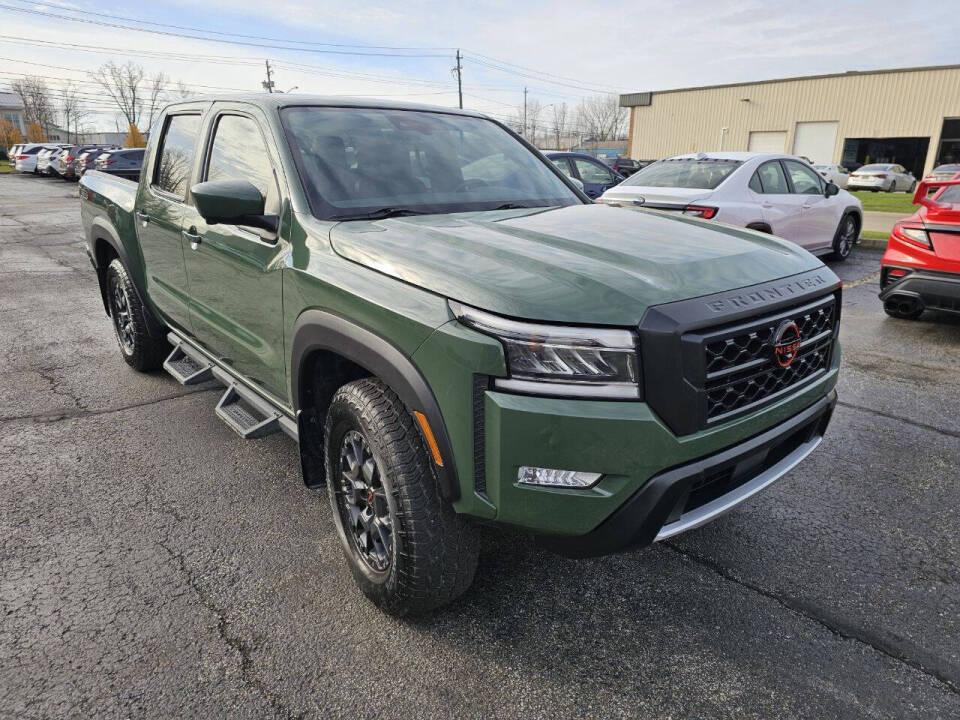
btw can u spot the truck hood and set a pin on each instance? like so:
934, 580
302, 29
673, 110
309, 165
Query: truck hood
590, 264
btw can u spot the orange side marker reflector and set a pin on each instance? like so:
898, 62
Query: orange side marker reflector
428, 434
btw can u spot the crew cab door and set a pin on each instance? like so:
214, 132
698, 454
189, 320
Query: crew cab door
235, 279
159, 213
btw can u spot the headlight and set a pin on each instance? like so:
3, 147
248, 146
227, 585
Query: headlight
559, 360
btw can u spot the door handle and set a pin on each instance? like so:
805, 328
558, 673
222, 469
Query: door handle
767, 205
193, 236
143, 217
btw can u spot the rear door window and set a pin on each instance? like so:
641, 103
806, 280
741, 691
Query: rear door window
176, 153
772, 180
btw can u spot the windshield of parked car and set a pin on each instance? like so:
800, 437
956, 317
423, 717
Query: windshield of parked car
699, 173
357, 162
873, 168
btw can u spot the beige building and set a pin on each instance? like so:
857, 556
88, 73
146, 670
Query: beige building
909, 116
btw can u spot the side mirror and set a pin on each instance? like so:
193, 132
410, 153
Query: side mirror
232, 202
831, 190
578, 183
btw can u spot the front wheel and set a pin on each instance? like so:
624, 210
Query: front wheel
141, 351
845, 238
406, 547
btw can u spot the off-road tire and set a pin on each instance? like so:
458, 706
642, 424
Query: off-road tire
845, 237
434, 551
143, 352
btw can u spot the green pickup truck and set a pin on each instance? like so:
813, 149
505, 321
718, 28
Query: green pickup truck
455, 335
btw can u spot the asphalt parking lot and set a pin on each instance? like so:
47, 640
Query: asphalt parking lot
153, 564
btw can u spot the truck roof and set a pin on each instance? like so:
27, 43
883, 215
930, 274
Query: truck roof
281, 100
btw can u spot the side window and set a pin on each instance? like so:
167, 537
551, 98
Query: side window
772, 179
175, 154
805, 181
592, 172
562, 165
238, 153
755, 183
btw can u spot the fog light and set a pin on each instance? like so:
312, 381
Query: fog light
556, 478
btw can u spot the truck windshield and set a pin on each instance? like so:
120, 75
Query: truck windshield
699, 173
367, 162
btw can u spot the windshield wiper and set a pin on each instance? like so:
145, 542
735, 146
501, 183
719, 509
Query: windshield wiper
381, 214
514, 206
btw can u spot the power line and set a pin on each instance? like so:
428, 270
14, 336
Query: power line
102, 23
240, 35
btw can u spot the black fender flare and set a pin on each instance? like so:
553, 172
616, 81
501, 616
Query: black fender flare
855, 211
322, 330
101, 231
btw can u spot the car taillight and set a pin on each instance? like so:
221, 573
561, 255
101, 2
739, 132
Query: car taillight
896, 272
880, 175
22, 157
913, 234
700, 211
68, 158
107, 162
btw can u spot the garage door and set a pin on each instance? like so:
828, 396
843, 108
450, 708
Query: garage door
766, 141
816, 140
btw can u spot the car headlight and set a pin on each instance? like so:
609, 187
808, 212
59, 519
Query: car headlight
560, 360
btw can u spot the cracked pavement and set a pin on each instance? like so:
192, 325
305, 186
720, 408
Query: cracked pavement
153, 564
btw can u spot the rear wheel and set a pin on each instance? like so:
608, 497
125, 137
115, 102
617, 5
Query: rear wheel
845, 237
406, 547
141, 351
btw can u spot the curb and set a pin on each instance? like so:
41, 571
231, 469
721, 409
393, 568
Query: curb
871, 244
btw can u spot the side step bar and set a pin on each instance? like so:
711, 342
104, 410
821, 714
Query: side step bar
185, 369
245, 411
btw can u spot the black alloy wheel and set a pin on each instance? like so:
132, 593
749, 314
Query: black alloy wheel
845, 238
120, 312
362, 503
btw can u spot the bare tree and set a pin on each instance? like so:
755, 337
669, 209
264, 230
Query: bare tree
123, 84
71, 109
35, 96
157, 96
559, 123
602, 117
534, 111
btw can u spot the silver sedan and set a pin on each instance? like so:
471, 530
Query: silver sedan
888, 177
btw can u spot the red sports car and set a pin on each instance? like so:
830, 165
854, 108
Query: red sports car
921, 268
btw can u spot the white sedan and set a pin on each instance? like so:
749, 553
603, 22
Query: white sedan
769, 192
837, 174
888, 177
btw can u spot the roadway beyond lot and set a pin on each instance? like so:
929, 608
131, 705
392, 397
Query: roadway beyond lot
152, 564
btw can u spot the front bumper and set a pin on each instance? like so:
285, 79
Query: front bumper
625, 441
693, 494
936, 290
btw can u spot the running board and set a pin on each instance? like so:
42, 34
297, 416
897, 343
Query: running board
244, 410
246, 417
186, 369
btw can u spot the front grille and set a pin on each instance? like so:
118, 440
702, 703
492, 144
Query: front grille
740, 368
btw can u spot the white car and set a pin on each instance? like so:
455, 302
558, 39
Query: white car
888, 177
27, 156
769, 192
47, 160
837, 174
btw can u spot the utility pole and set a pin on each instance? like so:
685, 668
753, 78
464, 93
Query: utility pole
459, 70
524, 133
268, 83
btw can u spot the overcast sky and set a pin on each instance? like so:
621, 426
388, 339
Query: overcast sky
561, 49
